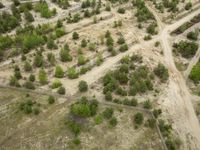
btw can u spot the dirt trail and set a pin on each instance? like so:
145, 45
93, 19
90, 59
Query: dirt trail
178, 100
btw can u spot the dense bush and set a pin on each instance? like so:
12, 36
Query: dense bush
28, 16
8, 22
29, 85
26, 106
72, 73
43, 9
81, 60
123, 48
98, 119
193, 35
27, 66
164, 127
60, 32
62, 3
42, 77
84, 108
121, 10
38, 60
138, 118
113, 121
188, 6
30, 41
108, 96
61, 90
143, 14
56, 84
83, 43
108, 113
14, 81
151, 29
1, 5
147, 104
51, 99
195, 73
186, 49
74, 127
75, 36
83, 87
59, 73
161, 72
51, 58
121, 40
65, 56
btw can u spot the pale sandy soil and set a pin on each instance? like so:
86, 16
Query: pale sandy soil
176, 99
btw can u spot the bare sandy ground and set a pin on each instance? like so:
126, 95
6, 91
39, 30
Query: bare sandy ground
178, 101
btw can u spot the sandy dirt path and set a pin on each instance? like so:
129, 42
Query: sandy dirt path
178, 100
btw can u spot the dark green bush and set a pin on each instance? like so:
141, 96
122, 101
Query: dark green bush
138, 118
108, 113
83, 87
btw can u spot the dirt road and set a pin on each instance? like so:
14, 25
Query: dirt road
178, 100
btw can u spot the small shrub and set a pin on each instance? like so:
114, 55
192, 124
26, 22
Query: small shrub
138, 118
113, 121
56, 84
32, 78
42, 77
36, 110
59, 73
107, 113
29, 85
72, 73
75, 36
61, 90
83, 87
147, 104
98, 119
108, 96
121, 10
51, 99
74, 127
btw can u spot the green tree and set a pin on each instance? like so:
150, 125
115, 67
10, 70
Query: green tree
65, 56
113, 121
138, 118
38, 60
61, 90
29, 85
81, 60
83, 87
56, 84
28, 16
75, 36
72, 73
59, 73
27, 66
83, 43
107, 113
81, 110
42, 77
161, 72
108, 96
51, 99
32, 78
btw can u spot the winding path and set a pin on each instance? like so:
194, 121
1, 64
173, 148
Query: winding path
178, 101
